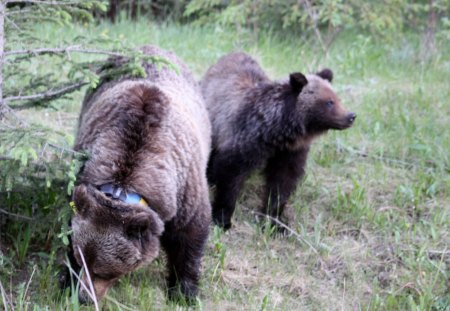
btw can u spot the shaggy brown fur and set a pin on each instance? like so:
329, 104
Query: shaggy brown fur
150, 136
260, 123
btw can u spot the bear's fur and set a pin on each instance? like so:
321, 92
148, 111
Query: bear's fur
150, 136
257, 123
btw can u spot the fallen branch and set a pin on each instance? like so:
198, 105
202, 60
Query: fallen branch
411, 164
283, 225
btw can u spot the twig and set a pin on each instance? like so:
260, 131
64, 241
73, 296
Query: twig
380, 158
444, 252
91, 285
80, 282
283, 225
5, 300
308, 9
46, 95
4, 109
76, 49
29, 282
15, 215
12, 23
63, 149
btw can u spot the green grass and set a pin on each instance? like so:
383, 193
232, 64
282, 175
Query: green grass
372, 215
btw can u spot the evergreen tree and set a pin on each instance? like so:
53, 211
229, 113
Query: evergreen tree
37, 165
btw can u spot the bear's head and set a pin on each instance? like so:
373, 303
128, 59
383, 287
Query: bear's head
317, 104
111, 238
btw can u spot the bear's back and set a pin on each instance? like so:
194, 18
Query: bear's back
151, 134
224, 88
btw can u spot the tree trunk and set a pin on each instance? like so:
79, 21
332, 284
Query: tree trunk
133, 9
429, 37
112, 11
2, 47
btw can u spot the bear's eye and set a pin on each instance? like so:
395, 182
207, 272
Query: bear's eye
330, 103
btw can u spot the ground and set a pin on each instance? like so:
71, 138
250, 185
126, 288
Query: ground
371, 219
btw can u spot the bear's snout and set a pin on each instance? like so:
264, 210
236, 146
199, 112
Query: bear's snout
83, 298
351, 117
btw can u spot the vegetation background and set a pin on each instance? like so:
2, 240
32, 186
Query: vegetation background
370, 227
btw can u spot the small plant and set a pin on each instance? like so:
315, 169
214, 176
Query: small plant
219, 251
21, 243
353, 204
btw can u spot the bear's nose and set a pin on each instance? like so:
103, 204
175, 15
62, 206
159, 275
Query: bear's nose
83, 298
351, 117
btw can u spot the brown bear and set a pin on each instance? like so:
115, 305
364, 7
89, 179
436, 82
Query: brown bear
144, 183
258, 123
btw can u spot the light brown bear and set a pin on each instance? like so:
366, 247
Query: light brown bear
144, 183
259, 123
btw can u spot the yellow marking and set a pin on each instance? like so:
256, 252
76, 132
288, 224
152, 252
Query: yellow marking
73, 207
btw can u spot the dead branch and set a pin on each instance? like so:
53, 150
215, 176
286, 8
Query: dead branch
75, 49
3, 211
44, 2
307, 6
50, 94
289, 229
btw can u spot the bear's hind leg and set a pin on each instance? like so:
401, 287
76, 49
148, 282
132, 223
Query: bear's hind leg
282, 174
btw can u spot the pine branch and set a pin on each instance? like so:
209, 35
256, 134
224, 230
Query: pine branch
50, 94
69, 49
5, 110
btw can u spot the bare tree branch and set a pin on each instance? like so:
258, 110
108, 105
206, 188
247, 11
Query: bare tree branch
43, 96
75, 49
307, 6
44, 2
3, 211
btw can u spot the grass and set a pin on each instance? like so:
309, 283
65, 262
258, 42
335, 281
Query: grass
371, 217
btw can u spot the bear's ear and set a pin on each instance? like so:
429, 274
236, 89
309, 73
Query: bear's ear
297, 81
326, 74
83, 200
145, 221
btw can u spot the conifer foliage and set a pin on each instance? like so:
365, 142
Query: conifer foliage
37, 165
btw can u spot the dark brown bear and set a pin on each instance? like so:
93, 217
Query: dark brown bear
260, 123
144, 183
